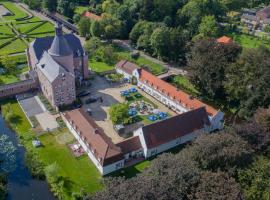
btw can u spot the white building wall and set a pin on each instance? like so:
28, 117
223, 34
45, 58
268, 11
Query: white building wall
126, 75
139, 133
102, 169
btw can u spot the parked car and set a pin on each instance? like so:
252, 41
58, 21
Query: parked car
77, 105
83, 94
89, 111
91, 100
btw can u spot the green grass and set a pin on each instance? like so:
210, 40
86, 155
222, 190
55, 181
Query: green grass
16, 46
40, 35
18, 13
23, 28
81, 173
47, 27
80, 9
6, 79
183, 83
248, 41
155, 68
3, 41
99, 67
4, 29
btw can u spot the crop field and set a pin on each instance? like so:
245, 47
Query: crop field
20, 28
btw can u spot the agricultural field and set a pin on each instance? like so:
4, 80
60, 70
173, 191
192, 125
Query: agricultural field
20, 28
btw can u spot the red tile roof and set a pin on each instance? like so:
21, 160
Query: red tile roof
127, 66
172, 128
102, 146
129, 145
225, 40
91, 16
183, 98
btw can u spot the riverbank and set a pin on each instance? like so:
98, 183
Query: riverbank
79, 174
21, 185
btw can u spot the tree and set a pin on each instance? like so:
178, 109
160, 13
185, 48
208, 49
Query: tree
96, 29
92, 45
106, 54
208, 26
160, 42
247, 81
255, 180
119, 113
208, 62
66, 7
223, 151
216, 186
9, 63
49, 5
7, 155
84, 26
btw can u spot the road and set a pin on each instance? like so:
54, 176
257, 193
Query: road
171, 68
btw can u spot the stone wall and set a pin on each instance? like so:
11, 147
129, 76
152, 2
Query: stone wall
10, 90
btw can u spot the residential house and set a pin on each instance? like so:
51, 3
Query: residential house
128, 69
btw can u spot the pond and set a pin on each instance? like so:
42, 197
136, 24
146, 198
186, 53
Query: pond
21, 186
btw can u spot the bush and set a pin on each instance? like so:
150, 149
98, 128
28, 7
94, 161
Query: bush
34, 165
135, 55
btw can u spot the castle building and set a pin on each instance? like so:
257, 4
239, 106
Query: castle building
59, 62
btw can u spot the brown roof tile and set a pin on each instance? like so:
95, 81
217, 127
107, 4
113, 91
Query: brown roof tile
183, 98
127, 66
102, 146
91, 16
129, 145
175, 127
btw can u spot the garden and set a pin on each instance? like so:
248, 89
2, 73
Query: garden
20, 28
136, 109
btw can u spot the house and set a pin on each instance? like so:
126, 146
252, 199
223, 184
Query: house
106, 156
146, 142
161, 136
59, 62
225, 40
263, 14
128, 69
91, 16
176, 99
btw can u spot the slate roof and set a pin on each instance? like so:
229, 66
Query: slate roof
60, 46
99, 143
43, 44
167, 130
49, 67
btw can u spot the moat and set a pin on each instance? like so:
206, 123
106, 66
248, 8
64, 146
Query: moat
20, 183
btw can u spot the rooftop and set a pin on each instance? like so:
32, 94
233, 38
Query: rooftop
92, 16
127, 66
183, 98
99, 143
175, 127
225, 40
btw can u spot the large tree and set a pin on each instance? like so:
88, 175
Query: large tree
208, 27
208, 62
247, 81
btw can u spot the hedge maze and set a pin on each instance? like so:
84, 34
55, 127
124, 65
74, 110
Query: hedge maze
19, 28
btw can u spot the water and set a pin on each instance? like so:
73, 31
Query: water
21, 186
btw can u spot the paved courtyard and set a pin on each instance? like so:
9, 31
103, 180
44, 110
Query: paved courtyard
47, 121
111, 95
32, 106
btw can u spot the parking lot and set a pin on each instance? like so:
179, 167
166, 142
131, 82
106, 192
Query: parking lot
110, 95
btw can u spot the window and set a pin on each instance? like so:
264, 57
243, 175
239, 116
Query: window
118, 165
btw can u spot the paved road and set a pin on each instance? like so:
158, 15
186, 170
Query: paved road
171, 69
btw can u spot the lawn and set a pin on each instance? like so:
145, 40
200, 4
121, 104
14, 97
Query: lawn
81, 173
80, 9
46, 27
99, 67
184, 84
248, 41
141, 61
16, 46
25, 27
18, 13
5, 30
3, 41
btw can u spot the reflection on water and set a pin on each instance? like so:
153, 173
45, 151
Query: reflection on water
21, 186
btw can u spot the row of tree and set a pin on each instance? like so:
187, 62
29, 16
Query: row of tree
226, 72
215, 166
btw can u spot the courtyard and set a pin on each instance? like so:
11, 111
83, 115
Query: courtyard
111, 95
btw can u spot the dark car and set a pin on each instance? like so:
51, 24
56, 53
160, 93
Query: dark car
91, 100
77, 105
83, 94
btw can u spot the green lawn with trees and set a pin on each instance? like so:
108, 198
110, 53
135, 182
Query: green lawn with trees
248, 41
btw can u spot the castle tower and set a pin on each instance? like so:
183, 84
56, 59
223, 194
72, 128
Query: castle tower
60, 50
